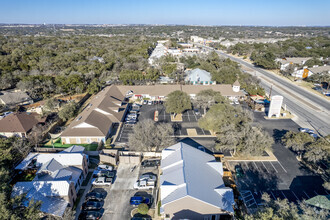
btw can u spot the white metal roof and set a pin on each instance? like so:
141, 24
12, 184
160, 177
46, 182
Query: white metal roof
188, 171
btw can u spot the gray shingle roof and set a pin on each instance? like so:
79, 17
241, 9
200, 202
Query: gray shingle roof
188, 171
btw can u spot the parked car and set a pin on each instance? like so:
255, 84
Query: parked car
197, 112
149, 102
135, 108
236, 102
105, 167
90, 215
103, 173
307, 130
161, 102
94, 196
239, 171
102, 181
137, 200
150, 163
130, 122
131, 116
156, 102
148, 176
92, 205
144, 184
314, 135
145, 102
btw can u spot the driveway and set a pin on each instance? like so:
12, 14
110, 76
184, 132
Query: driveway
116, 204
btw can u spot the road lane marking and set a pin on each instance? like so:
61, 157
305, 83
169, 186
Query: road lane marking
273, 167
281, 166
295, 196
265, 167
306, 194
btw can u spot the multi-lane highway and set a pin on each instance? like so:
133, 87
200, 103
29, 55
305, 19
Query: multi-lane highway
311, 110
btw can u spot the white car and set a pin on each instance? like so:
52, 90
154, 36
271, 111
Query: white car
236, 102
144, 184
149, 102
102, 181
105, 167
148, 177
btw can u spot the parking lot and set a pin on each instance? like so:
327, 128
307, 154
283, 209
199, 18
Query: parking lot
189, 122
286, 178
117, 203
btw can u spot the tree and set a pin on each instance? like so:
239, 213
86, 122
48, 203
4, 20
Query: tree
177, 102
150, 136
317, 151
68, 111
36, 134
206, 98
51, 104
284, 210
297, 141
94, 86
143, 209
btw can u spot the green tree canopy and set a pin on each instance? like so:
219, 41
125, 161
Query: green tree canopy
177, 102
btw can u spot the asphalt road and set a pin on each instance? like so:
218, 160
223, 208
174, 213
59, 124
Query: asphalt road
312, 111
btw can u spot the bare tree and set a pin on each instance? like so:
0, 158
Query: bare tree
36, 134
151, 136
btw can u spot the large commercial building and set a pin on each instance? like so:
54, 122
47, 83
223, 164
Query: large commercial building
191, 185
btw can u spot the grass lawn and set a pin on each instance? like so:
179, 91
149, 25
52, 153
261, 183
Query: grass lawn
88, 178
58, 144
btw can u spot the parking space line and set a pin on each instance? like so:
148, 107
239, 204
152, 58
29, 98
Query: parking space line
256, 166
188, 115
273, 166
283, 194
316, 193
306, 194
249, 199
246, 164
295, 196
203, 131
324, 164
195, 116
281, 166
273, 195
265, 167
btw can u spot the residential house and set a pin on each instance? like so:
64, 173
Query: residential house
191, 185
57, 181
19, 124
306, 72
95, 123
285, 62
199, 77
14, 97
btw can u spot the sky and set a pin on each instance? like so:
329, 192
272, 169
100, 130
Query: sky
188, 12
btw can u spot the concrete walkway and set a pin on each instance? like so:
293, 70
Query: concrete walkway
270, 157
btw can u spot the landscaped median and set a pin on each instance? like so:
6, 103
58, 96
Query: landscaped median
57, 144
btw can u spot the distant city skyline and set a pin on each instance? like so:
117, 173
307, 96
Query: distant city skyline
193, 12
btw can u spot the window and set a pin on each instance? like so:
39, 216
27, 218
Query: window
67, 140
78, 140
89, 140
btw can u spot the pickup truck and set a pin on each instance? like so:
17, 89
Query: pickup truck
102, 181
144, 184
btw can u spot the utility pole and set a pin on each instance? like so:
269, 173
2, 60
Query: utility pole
270, 92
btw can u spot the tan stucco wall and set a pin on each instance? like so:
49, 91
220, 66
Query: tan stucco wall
190, 208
